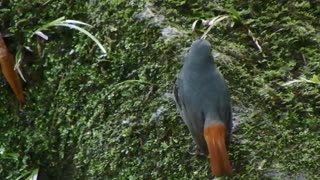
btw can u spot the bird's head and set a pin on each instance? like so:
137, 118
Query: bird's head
200, 52
201, 46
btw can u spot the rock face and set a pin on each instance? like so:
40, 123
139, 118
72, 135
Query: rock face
154, 17
151, 14
276, 174
106, 117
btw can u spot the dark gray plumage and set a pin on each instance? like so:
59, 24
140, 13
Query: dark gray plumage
202, 97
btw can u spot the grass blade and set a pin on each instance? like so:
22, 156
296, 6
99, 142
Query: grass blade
84, 32
69, 21
212, 23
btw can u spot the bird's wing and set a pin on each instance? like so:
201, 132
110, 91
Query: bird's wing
176, 94
192, 118
180, 99
227, 117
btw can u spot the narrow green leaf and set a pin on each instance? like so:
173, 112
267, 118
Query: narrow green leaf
212, 23
52, 23
34, 174
18, 59
129, 81
315, 79
69, 21
86, 33
42, 35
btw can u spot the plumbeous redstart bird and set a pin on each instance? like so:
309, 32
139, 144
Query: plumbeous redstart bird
204, 104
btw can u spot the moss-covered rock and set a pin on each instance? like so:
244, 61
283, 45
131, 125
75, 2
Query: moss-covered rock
94, 117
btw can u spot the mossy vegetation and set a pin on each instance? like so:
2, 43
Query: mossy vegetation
89, 116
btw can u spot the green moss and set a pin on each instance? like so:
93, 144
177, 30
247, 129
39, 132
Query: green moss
78, 121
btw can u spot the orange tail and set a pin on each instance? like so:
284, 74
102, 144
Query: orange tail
219, 160
7, 65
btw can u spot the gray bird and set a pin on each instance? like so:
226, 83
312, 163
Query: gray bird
204, 104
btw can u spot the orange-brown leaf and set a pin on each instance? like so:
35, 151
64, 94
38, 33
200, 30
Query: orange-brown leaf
7, 67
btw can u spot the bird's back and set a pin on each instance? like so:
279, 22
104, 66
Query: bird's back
204, 88
204, 104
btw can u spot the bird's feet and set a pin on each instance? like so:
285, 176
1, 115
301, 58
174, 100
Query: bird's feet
196, 151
